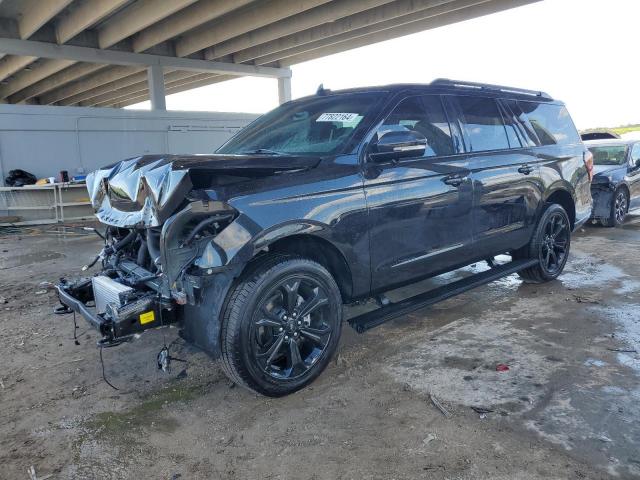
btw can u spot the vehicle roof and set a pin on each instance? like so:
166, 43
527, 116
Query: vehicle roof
610, 142
443, 85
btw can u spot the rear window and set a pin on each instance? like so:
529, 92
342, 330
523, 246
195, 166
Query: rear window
483, 125
551, 123
609, 154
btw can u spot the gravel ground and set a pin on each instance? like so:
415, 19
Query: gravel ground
567, 407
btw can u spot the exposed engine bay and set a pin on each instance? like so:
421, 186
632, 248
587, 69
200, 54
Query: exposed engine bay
131, 291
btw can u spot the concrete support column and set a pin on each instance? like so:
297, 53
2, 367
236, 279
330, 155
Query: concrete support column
155, 78
284, 89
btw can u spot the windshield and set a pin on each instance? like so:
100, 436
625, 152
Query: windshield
609, 154
322, 125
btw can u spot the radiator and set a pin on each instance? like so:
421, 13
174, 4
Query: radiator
106, 290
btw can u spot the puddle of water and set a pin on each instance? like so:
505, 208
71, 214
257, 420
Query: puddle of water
627, 333
582, 272
28, 259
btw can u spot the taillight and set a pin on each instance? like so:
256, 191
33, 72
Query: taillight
588, 162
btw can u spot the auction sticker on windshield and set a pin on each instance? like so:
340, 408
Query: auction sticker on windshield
337, 117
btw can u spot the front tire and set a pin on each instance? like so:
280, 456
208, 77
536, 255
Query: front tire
549, 245
281, 326
619, 209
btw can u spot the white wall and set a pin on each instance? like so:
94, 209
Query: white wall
44, 140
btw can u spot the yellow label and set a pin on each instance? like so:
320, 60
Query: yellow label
147, 317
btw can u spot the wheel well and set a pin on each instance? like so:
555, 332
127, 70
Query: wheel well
321, 251
564, 199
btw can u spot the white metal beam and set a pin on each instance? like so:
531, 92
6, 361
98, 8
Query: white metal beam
94, 55
137, 17
35, 13
244, 21
369, 18
170, 91
26, 78
55, 81
87, 84
187, 19
138, 88
461, 15
155, 77
323, 14
84, 16
390, 16
10, 65
284, 90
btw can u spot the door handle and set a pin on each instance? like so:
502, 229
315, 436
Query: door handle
526, 169
454, 180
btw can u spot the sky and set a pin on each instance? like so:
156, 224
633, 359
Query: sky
578, 51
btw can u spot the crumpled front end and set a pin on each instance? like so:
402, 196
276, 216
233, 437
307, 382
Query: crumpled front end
142, 191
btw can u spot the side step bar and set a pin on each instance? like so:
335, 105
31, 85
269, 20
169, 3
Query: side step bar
367, 321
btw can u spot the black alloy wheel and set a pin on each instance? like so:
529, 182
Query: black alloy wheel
554, 246
290, 331
549, 245
281, 325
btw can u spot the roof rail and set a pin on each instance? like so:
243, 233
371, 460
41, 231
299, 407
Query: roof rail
485, 86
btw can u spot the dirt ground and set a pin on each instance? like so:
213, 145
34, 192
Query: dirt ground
568, 406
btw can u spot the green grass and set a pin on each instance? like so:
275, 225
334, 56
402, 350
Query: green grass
618, 130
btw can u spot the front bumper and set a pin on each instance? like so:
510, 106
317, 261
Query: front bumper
134, 317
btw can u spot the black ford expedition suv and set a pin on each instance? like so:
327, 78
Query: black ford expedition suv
328, 200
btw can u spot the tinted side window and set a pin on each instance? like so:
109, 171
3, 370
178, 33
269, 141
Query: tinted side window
483, 125
426, 116
552, 123
522, 122
635, 153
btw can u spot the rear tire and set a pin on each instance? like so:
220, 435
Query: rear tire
619, 209
549, 244
281, 326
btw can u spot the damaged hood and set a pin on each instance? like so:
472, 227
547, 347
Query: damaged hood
597, 169
145, 191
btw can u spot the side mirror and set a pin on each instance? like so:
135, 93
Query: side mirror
398, 144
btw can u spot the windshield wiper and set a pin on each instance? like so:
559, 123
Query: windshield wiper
263, 151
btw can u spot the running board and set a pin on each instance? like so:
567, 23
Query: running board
368, 320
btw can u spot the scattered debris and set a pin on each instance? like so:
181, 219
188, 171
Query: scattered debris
406, 387
481, 410
501, 367
439, 406
32, 474
623, 350
41, 292
429, 438
1, 384
3, 300
581, 299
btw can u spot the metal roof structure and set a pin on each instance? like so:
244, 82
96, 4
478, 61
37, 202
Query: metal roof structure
115, 53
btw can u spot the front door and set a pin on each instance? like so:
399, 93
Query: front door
504, 171
419, 207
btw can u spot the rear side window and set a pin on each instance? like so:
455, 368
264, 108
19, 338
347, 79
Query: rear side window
521, 121
482, 123
552, 123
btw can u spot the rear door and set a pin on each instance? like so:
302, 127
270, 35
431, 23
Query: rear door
419, 207
504, 172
